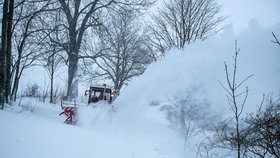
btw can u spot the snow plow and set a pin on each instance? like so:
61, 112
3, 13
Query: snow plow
101, 93
95, 94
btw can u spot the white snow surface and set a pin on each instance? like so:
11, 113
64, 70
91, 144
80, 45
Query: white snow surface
41, 133
135, 128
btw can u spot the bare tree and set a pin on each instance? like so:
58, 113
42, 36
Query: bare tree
123, 51
81, 15
232, 137
26, 38
51, 62
53, 56
180, 22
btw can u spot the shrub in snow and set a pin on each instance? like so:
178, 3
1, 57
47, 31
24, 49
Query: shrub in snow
22, 105
32, 90
262, 133
259, 133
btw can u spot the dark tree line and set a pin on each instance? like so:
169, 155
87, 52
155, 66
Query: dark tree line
19, 30
81, 15
65, 31
31, 32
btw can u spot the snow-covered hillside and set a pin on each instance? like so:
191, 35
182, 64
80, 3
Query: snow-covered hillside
138, 127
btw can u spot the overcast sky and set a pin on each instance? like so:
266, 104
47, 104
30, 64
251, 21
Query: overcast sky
241, 12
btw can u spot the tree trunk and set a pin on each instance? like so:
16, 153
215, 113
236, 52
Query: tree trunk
51, 95
72, 89
14, 89
16, 78
9, 51
3, 54
52, 76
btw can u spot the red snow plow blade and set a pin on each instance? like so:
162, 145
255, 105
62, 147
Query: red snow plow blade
70, 111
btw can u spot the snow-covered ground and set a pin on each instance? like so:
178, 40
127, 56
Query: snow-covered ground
41, 133
138, 127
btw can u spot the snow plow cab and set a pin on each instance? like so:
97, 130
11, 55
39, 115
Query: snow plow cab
101, 93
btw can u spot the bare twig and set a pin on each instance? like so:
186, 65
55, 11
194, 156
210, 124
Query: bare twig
234, 137
275, 39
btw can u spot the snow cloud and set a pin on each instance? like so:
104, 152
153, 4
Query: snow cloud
200, 66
